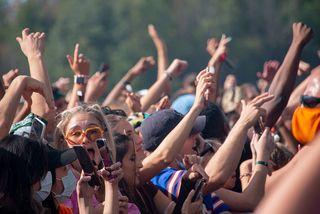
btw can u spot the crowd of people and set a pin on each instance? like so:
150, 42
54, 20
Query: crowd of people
205, 148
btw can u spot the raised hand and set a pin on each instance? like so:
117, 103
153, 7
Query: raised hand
252, 111
177, 67
204, 81
62, 84
32, 44
212, 45
164, 103
264, 146
303, 68
144, 64
96, 86
33, 85
222, 49
302, 34
80, 64
195, 173
133, 102
270, 69
189, 160
9, 77
116, 171
158, 41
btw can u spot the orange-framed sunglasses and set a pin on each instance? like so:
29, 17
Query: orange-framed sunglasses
76, 136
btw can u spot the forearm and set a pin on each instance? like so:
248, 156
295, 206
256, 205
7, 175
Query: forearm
294, 100
74, 95
117, 89
283, 84
25, 111
9, 104
154, 92
2, 91
39, 106
224, 162
289, 139
111, 205
163, 64
85, 205
169, 148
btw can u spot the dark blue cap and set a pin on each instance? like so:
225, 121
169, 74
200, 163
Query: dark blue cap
159, 124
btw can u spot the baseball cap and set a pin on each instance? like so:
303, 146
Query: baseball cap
159, 124
58, 158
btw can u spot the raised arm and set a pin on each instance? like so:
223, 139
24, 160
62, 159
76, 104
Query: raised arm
215, 61
81, 68
221, 166
33, 46
144, 64
253, 193
284, 80
170, 147
162, 51
155, 91
20, 86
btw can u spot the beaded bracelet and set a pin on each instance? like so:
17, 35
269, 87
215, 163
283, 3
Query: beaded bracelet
262, 162
245, 175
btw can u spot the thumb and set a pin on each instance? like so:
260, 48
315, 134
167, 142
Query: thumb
70, 60
243, 102
190, 195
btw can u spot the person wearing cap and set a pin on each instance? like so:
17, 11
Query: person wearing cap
63, 180
228, 155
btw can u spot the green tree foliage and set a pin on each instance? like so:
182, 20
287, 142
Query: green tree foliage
116, 32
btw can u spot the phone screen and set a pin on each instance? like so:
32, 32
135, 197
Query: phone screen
87, 164
37, 129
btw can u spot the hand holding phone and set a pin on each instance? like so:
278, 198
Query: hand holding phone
107, 162
87, 164
103, 67
258, 127
38, 128
80, 96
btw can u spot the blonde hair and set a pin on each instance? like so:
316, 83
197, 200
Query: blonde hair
65, 117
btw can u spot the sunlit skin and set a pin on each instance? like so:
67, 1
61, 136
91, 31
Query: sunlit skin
125, 126
82, 121
131, 166
201, 147
57, 187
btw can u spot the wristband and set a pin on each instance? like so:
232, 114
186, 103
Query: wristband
169, 75
124, 82
262, 162
81, 79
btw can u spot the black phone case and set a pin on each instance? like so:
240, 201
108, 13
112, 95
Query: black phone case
87, 164
107, 162
197, 191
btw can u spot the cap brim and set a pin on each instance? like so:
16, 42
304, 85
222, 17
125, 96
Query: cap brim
58, 158
199, 125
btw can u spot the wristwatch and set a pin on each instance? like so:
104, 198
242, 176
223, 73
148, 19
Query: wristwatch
81, 79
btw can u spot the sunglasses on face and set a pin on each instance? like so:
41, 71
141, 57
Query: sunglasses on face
309, 101
76, 136
207, 147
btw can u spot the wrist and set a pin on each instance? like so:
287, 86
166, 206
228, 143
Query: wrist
35, 56
261, 162
168, 74
81, 79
